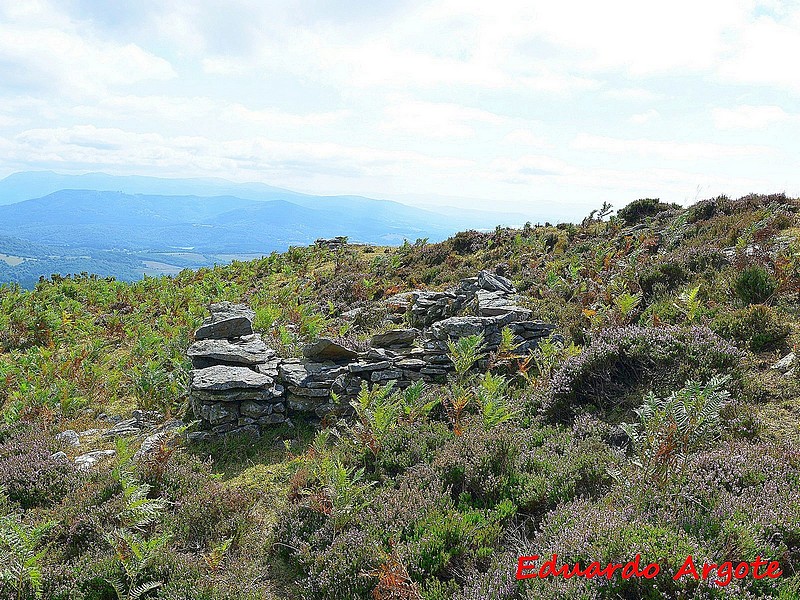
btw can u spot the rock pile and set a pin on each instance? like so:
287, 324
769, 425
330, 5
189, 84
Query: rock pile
233, 385
240, 385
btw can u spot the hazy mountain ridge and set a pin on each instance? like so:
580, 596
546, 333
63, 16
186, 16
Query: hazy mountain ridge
123, 226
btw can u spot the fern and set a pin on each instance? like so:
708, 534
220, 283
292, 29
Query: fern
20, 561
669, 429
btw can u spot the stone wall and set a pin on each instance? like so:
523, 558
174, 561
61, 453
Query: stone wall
239, 385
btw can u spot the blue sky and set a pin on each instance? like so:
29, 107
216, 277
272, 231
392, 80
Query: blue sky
544, 107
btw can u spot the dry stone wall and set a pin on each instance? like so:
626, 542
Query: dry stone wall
239, 385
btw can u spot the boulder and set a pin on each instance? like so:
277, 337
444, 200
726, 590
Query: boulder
227, 320
247, 351
327, 349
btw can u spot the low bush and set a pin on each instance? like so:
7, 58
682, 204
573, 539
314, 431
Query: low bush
638, 210
755, 285
614, 371
757, 326
31, 476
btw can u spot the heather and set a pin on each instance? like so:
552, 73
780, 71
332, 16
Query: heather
651, 422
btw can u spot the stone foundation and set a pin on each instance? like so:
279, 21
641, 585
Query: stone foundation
240, 385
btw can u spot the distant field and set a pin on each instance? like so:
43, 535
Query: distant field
11, 260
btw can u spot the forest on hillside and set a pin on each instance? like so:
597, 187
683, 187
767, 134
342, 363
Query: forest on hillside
661, 418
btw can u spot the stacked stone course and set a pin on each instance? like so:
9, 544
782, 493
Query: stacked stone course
240, 385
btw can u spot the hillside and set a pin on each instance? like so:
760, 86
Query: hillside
659, 419
146, 225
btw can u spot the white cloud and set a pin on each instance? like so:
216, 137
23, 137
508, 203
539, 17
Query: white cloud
680, 151
645, 117
526, 137
749, 117
60, 57
435, 119
763, 54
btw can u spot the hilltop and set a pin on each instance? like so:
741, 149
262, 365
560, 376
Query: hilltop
659, 418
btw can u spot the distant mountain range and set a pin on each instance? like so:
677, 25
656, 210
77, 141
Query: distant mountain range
129, 226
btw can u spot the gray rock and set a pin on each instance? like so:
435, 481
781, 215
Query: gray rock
411, 363
86, 461
255, 410
366, 367
227, 320
152, 443
272, 419
257, 395
200, 436
386, 375
783, 364
69, 437
394, 337
327, 349
220, 378
248, 351
223, 412
458, 327
60, 456
495, 283
309, 392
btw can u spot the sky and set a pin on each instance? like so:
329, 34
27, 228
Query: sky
547, 108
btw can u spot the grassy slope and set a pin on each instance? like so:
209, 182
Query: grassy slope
75, 348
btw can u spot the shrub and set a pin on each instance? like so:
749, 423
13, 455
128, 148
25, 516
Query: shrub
28, 472
661, 278
757, 326
613, 371
638, 210
755, 285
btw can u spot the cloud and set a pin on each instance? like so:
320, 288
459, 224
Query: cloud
645, 117
762, 51
750, 117
43, 51
435, 119
525, 137
665, 149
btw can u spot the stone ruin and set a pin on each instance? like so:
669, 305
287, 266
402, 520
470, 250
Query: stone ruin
239, 385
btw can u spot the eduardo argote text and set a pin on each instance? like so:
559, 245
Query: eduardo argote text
532, 567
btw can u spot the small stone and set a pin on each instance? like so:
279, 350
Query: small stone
227, 320
69, 437
386, 375
223, 412
327, 349
86, 461
785, 363
255, 409
365, 367
60, 456
394, 337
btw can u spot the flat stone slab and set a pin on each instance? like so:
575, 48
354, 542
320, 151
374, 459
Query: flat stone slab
247, 350
495, 283
227, 320
219, 378
394, 337
327, 349
458, 327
